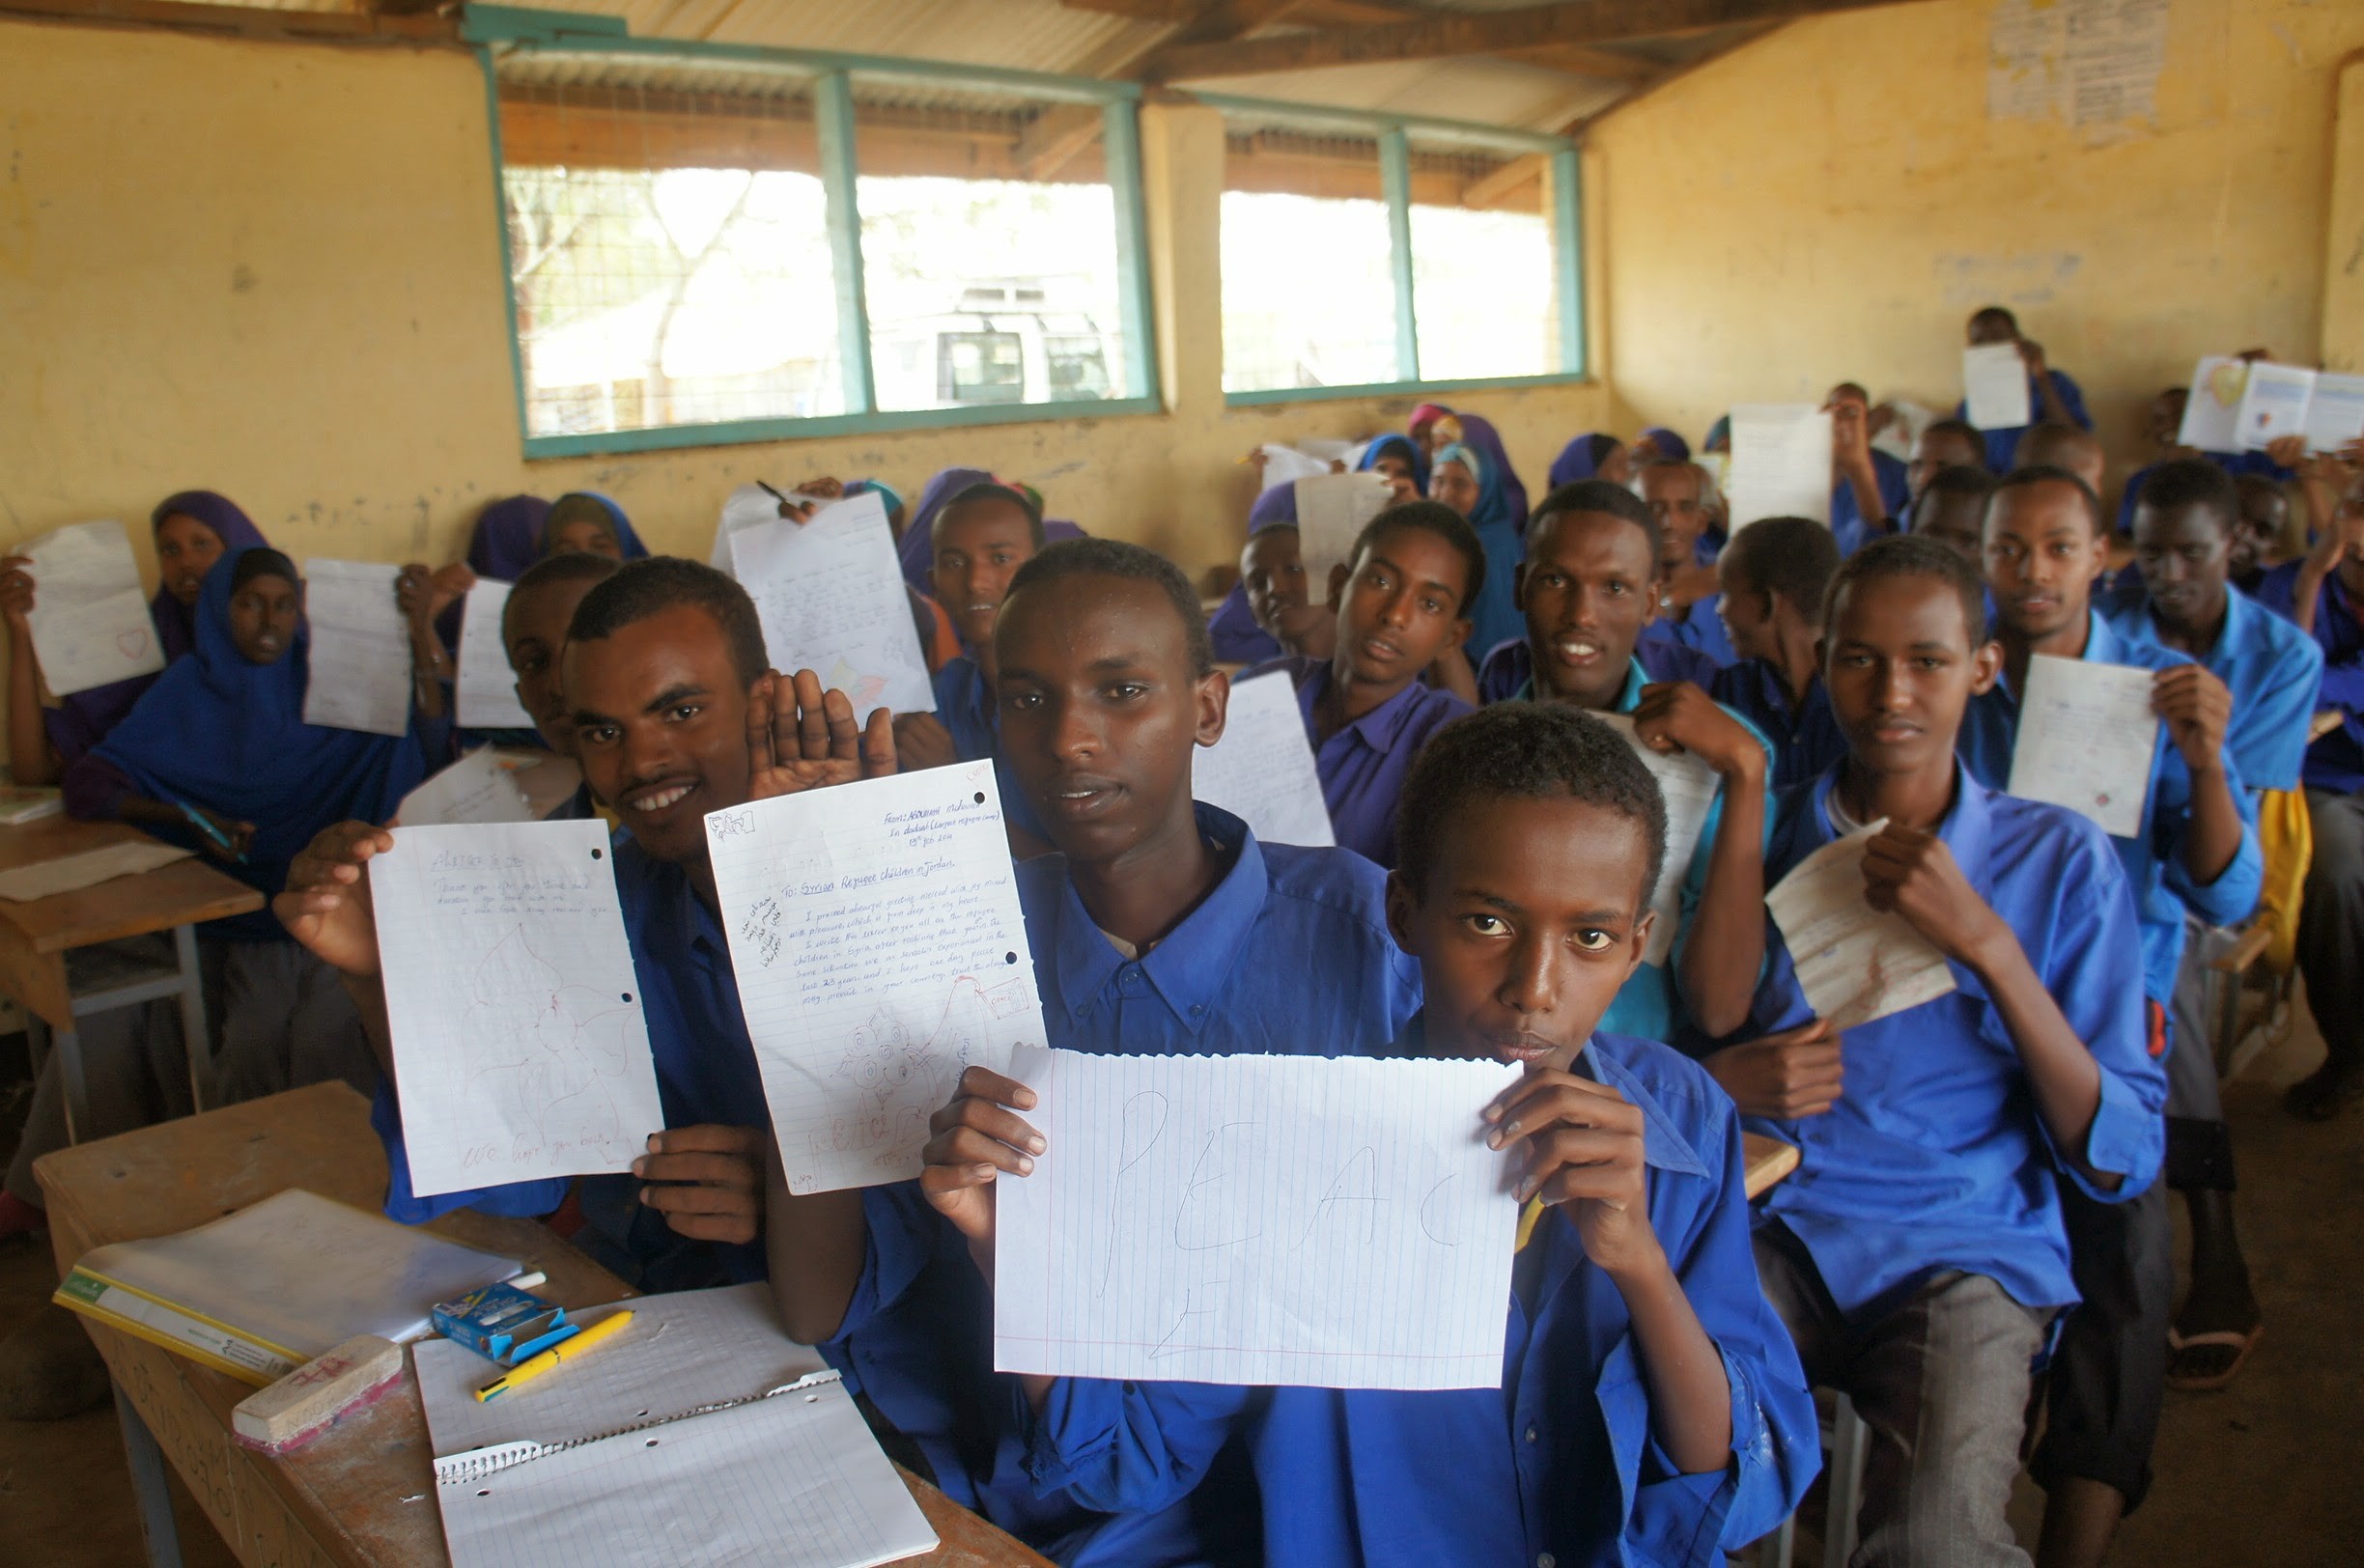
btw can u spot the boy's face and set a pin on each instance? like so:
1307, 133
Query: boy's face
1673, 491
660, 717
1401, 606
1531, 920
1586, 589
1402, 486
1747, 612
2042, 554
979, 546
2184, 554
1272, 577
264, 613
1941, 449
533, 629
1100, 708
1956, 522
1900, 664
2264, 512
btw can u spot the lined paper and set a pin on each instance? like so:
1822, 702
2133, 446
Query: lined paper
1261, 1219
1781, 462
485, 695
360, 652
90, 621
2087, 740
1262, 769
1689, 788
879, 949
832, 597
1995, 386
1854, 963
1332, 511
520, 1048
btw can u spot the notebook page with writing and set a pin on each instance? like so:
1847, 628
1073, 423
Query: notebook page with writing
1689, 789
2087, 738
90, 619
879, 949
520, 1048
2274, 405
832, 597
1262, 771
485, 695
359, 658
1854, 963
1332, 1222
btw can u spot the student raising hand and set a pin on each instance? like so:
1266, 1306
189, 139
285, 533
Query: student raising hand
326, 903
802, 737
972, 1142
1583, 1149
713, 1180
1787, 1076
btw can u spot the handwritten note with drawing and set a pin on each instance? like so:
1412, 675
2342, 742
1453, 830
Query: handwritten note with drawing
2087, 740
481, 787
1995, 386
519, 1049
1854, 963
360, 652
1781, 462
1331, 510
1336, 1223
831, 596
1262, 769
1689, 787
879, 949
485, 695
90, 621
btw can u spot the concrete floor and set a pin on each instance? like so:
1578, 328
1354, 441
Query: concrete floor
2267, 1471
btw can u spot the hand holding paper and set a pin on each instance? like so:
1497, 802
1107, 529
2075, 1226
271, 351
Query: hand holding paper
1688, 785
831, 594
1781, 462
487, 686
89, 619
1995, 386
1855, 963
1331, 510
361, 654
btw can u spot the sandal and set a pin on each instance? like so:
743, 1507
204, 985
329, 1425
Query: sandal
2240, 1343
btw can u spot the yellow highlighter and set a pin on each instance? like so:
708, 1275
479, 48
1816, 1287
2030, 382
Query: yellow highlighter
607, 1327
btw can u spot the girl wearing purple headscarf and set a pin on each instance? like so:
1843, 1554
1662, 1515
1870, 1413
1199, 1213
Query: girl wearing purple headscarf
1592, 456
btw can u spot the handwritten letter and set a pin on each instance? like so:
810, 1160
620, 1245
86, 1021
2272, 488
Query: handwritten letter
90, 621
360, 669
832, 600
487, 691
2087, 736
1854, 963
519, 1050
1781, 462
1689, 787
879, 949
1995, 385
1262, 769
1331, 510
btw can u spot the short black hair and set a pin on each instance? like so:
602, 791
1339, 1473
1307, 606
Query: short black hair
2045, 473
1115, 558
1996, 313
1954, 426
1524, 751
552, 570
2048, 444
2190, 482
1856, 387
1912, 555
262, 561
1600, 495
639, 589
995, 491
1428, 518
1790, 558
1957, 479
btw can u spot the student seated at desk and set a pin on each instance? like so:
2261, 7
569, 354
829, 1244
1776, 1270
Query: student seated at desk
2264, 517
1467, 476
1774, 577
1233, 630
587, 522
1921, 1264
534, 621
2052, 397
1652, 1410
675, 716
1160, 927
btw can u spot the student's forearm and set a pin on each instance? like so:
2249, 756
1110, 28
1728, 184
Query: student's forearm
138, 808
1689, 1398
429, 663
30, 758
1870, 504
2306, 588
2215, 834
1726, 946
2064, 1077
813, 1245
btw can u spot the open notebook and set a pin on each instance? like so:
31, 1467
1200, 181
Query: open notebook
700, 1434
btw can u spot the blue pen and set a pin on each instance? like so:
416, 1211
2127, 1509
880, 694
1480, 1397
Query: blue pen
197, 819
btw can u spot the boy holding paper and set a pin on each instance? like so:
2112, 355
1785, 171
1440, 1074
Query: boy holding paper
2052, 397
1920, 1266
1774, 576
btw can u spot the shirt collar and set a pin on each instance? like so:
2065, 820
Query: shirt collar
1967, 826
1193, 962
1377, 729
1628, 697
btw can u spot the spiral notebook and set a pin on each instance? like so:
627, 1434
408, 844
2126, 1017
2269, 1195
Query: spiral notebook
702, 1433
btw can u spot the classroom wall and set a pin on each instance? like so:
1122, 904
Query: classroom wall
1833, 201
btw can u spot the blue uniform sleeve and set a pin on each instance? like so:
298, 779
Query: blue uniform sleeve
1695, 875
2277, 714
2086, 970
2342, 686
523, 1200
1126, 1447
2232, 895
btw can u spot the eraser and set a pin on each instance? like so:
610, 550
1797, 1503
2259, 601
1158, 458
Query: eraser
302, 1404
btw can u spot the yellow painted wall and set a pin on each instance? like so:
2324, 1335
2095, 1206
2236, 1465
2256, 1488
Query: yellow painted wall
1833, 202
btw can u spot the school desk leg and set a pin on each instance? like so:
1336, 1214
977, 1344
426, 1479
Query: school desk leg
148, 1487
193, 1028
68, 1044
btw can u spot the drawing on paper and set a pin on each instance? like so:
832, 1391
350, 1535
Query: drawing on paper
898, 1076
549, 1050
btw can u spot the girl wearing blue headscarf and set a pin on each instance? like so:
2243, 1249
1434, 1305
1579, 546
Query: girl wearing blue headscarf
589, 523
1464, 479
1400, 462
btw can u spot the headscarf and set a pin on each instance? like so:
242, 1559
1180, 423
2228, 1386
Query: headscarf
574, 505
1719, 433
1277, 504
1667, 443
888, 495
1424, 416
918, 546
1393, 445
1582, 458
1490, 507
1480, 435
508, 537
221, 732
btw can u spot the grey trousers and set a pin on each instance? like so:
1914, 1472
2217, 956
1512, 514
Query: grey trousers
2199, 1147
1942, 1383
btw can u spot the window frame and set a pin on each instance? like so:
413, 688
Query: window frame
1394, 133
500, 32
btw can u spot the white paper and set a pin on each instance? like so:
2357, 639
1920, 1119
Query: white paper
750, 506
1332, 511
833, 600
1781, 463
1285, 465
1995, 385
2211, 410
87, 868
1689, 787
519, 1049
1262, 769
879, 949
360, 656
1261, 1219
479, 788
2335, 417
2275, 404
485, 695
1855, 963
2087, 738
90, 621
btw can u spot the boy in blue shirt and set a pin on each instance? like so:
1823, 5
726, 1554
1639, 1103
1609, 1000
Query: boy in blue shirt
1681, 500
1920, 1255
2052, 397
1279, 595
1653, 1410
1775, 574
1952, 509
1869, 489
533, 629
1945, 443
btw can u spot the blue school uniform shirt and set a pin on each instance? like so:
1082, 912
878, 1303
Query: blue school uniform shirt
1934, 1157
1362, 765
2002, 443
1806, 740
1700, 627
2335, 761
706, 1074
1557, 1464
2153, 858
2274, 670
964, 706
1233, 630
1510, 666
1850, 526
1288, 955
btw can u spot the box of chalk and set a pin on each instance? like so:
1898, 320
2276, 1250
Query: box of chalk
302, 1405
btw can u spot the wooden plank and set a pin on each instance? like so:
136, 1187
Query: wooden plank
183, 893
1494, 190
33, 979
1764, 1161
1741, 39
247, 21
2255, 938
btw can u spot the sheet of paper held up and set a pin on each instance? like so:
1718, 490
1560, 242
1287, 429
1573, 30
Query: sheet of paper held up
1995, 386
2211, 409
481, 787
833, 600
1331, 510
1333, 1222
519, 1049
2275, 404
1286, 465
361, 654
485, 695
1855, 963
90, 621
1262, 769
1781, 463
1689, 787
750, 506
879, 949
2335, 415
2087, 740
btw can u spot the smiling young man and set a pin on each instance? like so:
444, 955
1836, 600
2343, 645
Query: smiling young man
1679, 497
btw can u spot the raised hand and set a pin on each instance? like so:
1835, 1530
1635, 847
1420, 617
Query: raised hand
922, 742
802, 737
327, 904
720, 1172
2197, 709
1578, 1144
1785, 1076
975, 1137
1676, 716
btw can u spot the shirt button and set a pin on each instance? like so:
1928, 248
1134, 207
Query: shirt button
1532, 1438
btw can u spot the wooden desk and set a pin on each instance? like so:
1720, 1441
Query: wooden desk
36, 936
364, 1492
1764, 1161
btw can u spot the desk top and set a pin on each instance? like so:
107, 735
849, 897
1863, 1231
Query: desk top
178, 894
1765, 1160
366, 1490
